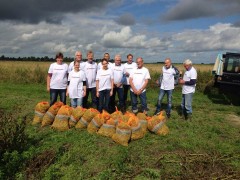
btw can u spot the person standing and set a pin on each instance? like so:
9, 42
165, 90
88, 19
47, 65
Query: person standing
78, 58
104, 86
57, 79
166, 86
118, 78
129, 66
76, 89
90, 69
138, 81
107, 57
188, 89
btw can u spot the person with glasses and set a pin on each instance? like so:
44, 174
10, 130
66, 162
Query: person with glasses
78, 58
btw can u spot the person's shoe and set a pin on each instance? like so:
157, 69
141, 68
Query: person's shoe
188, 117
156, 113
168, 115
145, 112
135, 111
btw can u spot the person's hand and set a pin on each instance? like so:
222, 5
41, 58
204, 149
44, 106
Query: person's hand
97, 94
111, 92
48, 89
181, 81
67, 93
84, 93
127, 74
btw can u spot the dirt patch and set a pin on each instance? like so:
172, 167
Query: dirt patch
234, 119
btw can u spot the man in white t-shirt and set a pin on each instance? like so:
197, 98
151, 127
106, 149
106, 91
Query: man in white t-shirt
188, 89
129, 66
78, 58
138, 81
166, 86
107, 57
118, 78
90, 69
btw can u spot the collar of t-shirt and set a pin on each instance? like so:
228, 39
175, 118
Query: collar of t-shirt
90, 62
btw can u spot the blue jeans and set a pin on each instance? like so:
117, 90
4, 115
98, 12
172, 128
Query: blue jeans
119, 91
54, 94
104, 97
162, 92
143, 99
76, 102
93, 96
125, 93
187, 103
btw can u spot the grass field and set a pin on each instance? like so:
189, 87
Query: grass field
208, 147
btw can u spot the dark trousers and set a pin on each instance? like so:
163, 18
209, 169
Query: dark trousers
104, 97
125, 93
112, 104
93, 96
54, 95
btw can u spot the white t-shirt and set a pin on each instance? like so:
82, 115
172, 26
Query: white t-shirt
118, 73
104, 77
139, 76
90, 72
59, 75
168, 78
75, 87
71, 66
188, 75
100, 65
129, 69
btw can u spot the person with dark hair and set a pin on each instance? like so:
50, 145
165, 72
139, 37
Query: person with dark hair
90, 69
107, 57
76, 89
104, 86
57, 79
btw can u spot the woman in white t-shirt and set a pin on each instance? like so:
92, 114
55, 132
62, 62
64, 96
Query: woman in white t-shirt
57, 79
76, 89
104, 86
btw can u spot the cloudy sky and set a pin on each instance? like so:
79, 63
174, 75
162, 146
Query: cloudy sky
153, 29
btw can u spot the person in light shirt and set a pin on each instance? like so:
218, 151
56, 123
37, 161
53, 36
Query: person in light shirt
166, 86
129, 66
118, 77
57, 79
107, 57
138, 81
104, 86
188, 82
76, 89
90, 69
78, 57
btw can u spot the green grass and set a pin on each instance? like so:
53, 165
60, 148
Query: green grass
208, 147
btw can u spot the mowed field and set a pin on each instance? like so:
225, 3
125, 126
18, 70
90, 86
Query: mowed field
208, 147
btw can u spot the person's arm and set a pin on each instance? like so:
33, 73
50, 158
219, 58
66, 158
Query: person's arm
67, 92
112, 85
84, 88
97, 88
132, 85
49, 76
143, 87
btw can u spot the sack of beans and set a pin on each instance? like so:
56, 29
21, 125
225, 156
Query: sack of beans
61, 120
95, 124
48, 118
77, 113
157, 125
108, 128
123, 133
143, 121
40, 109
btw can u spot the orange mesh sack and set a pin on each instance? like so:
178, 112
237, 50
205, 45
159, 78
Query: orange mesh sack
123, 133
117, 114
143, 121
95, 124
157, 124
40, 109
48, 118
108, 128
77, 113
136, 127
61, 120
86, 118
126, 116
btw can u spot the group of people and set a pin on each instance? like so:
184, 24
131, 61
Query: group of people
105, 79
